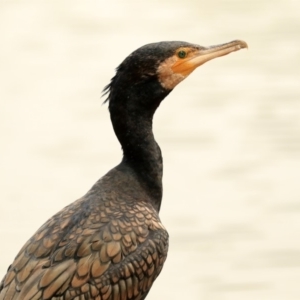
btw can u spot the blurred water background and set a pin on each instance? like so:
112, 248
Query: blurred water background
230, 134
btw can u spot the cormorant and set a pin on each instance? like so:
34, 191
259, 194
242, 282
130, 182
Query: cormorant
110, 244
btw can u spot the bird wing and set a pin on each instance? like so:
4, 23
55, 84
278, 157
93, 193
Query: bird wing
90, 252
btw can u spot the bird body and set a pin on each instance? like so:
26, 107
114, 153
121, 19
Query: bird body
110, 244
102, 245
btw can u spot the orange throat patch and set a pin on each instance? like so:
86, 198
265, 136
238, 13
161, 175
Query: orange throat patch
166, 75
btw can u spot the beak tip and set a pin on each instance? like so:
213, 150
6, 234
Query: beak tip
242, 44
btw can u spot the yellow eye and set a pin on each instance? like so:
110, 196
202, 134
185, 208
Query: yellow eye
181, 54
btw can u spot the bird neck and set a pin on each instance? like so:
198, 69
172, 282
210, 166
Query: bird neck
141, 153
132, 107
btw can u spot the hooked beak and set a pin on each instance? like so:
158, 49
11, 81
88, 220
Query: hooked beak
201, 56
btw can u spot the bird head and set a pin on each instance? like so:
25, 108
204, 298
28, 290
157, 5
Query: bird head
149, 73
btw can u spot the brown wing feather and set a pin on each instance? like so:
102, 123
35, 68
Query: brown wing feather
114, 250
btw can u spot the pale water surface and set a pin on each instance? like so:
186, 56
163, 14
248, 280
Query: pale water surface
230, 134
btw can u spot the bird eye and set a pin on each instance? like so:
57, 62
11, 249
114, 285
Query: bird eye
181, 54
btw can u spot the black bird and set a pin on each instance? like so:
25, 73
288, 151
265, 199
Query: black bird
111, 244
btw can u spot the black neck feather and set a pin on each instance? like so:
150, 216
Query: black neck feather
132, 109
